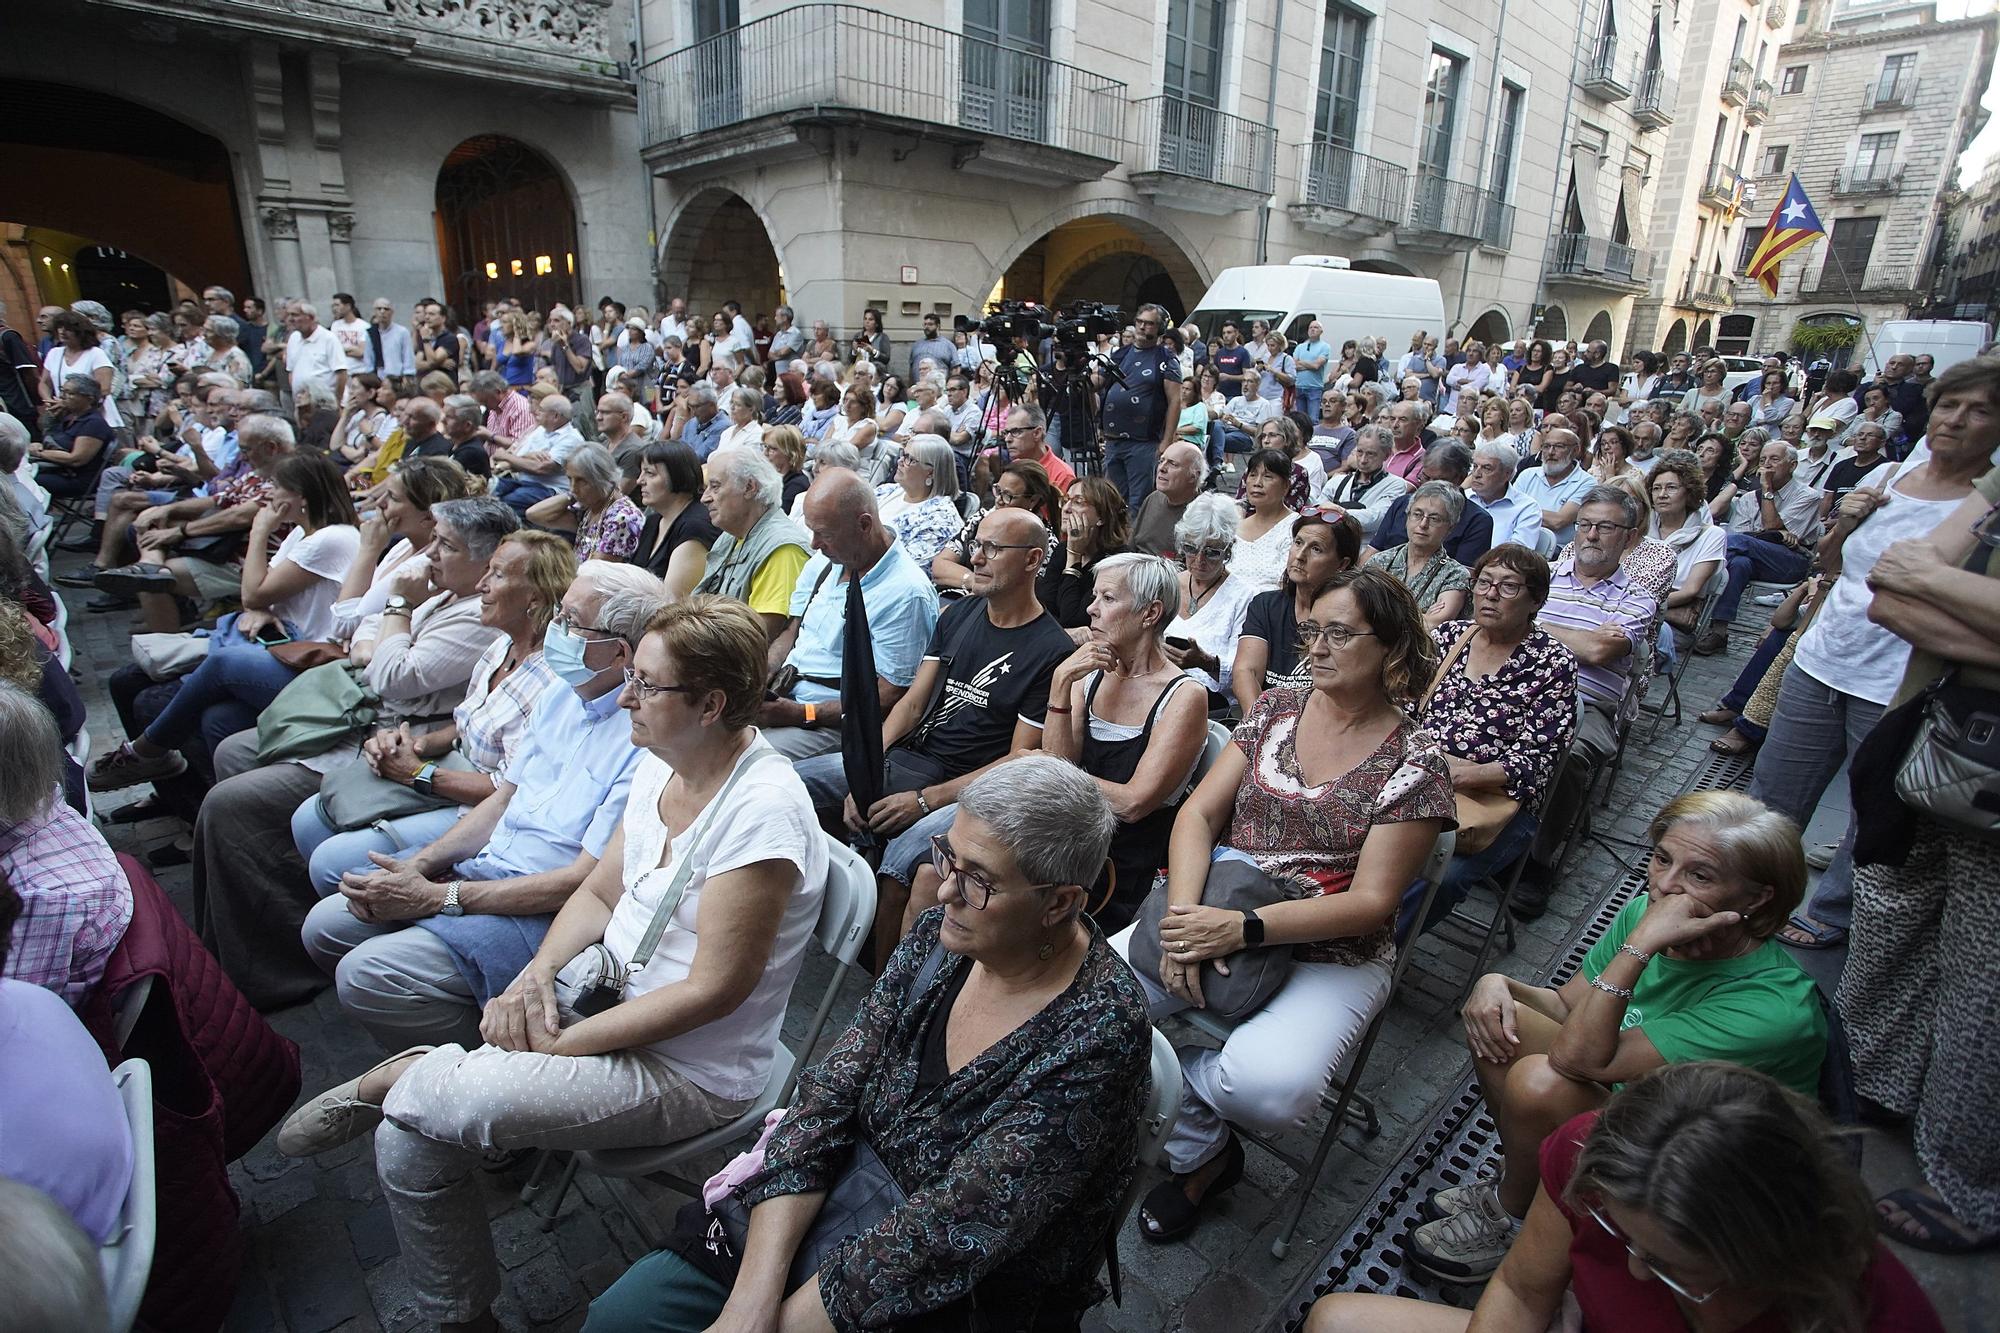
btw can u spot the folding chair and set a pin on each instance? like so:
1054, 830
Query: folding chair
846, 917
64, 653
38, 550
131, 1003
66, 510
1684, 642
126, 1259
1344, 1100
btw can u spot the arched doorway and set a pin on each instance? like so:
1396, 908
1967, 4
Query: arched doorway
1554, 324
121, 192
1491, 327
1677, 338
1599, 330
505, 226
1733, 335
717, 250
1121, 261
1704, 333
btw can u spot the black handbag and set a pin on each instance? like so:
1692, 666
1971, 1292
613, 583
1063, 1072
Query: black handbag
1255, 974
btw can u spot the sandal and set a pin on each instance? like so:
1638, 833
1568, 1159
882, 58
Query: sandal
1927, 1223
1718, 717
1732, 742
1802, 932
1168, 1214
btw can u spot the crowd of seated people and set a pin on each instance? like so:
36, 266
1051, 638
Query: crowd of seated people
520, 708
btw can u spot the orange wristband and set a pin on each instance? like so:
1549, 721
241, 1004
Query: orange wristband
812, 715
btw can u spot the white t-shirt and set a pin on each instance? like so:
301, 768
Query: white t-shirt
86, 364
326, 554
353, 336
1218, 623
314, 359
767, 816
1845, 650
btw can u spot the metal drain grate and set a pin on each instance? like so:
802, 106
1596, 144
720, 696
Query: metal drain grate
1453, 1148
1724, 772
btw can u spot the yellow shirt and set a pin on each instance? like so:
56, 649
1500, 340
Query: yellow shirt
771, 586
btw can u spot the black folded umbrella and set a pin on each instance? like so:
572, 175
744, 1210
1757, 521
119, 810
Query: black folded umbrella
860, 710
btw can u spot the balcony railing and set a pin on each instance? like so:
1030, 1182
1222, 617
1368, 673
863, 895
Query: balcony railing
1340, 178
1602, 78
1708, 291
1874, 180
1898, 96
1182, 138
1496, 231
1775, 12
1722, 187
1758, 109
1451, 215
1736, 84
1590, 259
846, 57
1653, 104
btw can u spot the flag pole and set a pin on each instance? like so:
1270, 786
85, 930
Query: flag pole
1854, 292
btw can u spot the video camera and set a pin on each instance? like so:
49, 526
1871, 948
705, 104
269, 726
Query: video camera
1009, 320
1087, 321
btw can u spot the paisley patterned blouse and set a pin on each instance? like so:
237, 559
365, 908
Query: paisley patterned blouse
1013, 1167
1313, 835
1520, 717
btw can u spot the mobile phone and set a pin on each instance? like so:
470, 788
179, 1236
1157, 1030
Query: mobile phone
1177, 642
273, 635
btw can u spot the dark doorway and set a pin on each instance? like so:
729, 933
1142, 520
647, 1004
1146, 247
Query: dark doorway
505, 227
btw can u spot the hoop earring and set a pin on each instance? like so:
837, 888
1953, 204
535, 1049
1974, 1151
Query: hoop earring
1048, 948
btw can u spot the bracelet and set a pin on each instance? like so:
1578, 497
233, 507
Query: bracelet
1638, 954
922, 804
1054, 709
1609, 989
812, 714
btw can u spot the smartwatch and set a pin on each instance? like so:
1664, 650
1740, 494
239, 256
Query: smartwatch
422, 782
1253, 929
812, 715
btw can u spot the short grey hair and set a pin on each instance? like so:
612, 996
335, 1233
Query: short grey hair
52, 1281
31, 755
743, 394
1452, 497
464, 407
701, 393
318, 394
1209, 518
220, 326
837, 454
1384, 438
628, 596
1450, 456
480, 521
259, 402
594, 463
747, 469
1628, 507
1506, 455
935, 452
13, 442
304, 308
83, 386
487, 381
1149, 578
558, 404
267, 430
1048, 813
930, 421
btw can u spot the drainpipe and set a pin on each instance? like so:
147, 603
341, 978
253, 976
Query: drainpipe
1485, 159
652, 182
1271, 119
1562, 155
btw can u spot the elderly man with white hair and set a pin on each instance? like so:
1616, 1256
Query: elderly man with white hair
537, 461
1516, 517
758, 557
313, 354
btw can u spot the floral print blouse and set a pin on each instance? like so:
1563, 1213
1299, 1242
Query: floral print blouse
1442, 575
1013, 1167
1312, 835
1520, 717
924, 528
612, 534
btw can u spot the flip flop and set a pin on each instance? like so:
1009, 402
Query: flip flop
1927, 1224
1166, 1214
1803, 932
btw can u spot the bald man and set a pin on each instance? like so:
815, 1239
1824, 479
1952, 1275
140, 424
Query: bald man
850, 543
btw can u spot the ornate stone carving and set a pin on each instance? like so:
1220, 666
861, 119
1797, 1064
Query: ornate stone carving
341, 225
280, 223
568, 27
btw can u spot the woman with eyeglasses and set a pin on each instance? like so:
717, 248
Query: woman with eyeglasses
1020, 485
1272, 493
997, 1071
921, 504
1681, 520
1095, 524
1502, 707
1705, 1196
1201, 639
1421, 563
1330, 788
1611, 454
1324, 543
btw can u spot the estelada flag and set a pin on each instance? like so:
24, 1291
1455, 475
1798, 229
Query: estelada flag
1793, 224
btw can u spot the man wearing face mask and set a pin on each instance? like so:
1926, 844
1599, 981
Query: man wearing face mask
483, 893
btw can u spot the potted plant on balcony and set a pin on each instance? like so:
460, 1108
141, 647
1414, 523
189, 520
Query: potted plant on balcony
1827, 339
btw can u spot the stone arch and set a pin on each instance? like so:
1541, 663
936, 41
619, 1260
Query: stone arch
710, 253
1704, 333
506, 225
1380, 261
1599, 327
1491, 327
1554, 324
1052, 255
1677, 338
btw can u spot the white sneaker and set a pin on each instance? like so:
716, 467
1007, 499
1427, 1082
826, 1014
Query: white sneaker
1456, 1199
1469, 1245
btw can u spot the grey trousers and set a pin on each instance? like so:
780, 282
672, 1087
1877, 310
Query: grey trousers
803, 742
453, 1105
395, 979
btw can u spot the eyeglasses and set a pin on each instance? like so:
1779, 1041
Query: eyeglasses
1014, 432
975, 888
1210, 551
991, 549
905, 460
1587, 528
563, 618
1336, 635
1506, 589
646, 689
1647, 1261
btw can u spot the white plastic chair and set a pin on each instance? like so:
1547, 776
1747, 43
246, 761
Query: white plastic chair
846, 916
38, 550
131, 1003
126, 1259
64, 653
1212, 748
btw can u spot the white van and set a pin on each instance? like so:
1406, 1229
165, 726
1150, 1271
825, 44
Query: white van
1949, 341
1348, 304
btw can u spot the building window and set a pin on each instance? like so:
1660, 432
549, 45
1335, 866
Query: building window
1793, 80
1732, 335
1441, 91
1898, 73
1507, 142
1847, 252
1752, 238
1194, 51
1342, 52
1774, 159
1874, 157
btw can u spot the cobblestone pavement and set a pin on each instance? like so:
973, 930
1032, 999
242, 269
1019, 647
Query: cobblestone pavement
322, 1252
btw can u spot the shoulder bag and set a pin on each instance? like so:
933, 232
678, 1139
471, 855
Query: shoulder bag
1235, 884
1952, 769
317, 711
354, 796
1481, 814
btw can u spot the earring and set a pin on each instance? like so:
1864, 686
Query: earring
1048, 947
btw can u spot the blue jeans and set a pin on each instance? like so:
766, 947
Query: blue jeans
239, 674
331, 852
1306, 399
1466, 871
825, 778
1236, 442
1216, 446
1751, 557
1129, 465
521, 493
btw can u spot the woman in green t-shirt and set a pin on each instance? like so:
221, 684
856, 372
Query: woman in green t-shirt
1689, 971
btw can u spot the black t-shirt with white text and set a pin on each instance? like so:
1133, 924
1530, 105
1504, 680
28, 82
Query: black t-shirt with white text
994, 676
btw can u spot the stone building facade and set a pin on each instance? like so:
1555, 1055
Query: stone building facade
1876, 103
1970, 285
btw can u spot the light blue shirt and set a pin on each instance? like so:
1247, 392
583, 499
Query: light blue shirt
1516, 518
399, 355
703, 439
902, 612
1312, 351
570, 781
1534, 485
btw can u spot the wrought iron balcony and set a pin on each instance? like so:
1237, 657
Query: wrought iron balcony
829, 63
1348, 194
1758, 109
1775, 13
1653, 104
1194, 157
1496, 230
1722, 187
1736, 84
1708, 291
1880, 179
1898, 96
1587, 261
1603, 80
1447, 215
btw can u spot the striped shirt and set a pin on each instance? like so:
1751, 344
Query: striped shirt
1615, 601
75, 903
493, 722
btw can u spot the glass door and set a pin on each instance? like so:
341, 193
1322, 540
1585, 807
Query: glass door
718, 64
1190, 124
1006, 85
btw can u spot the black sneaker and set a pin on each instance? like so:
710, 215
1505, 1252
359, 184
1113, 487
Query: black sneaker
1531, 898
136, 578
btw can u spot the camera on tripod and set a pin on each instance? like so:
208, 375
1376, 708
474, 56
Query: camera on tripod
1086, 321
1007, 321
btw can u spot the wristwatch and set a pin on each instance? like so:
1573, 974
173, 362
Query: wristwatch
396, 602
421, 782
450, 906
1253, 929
